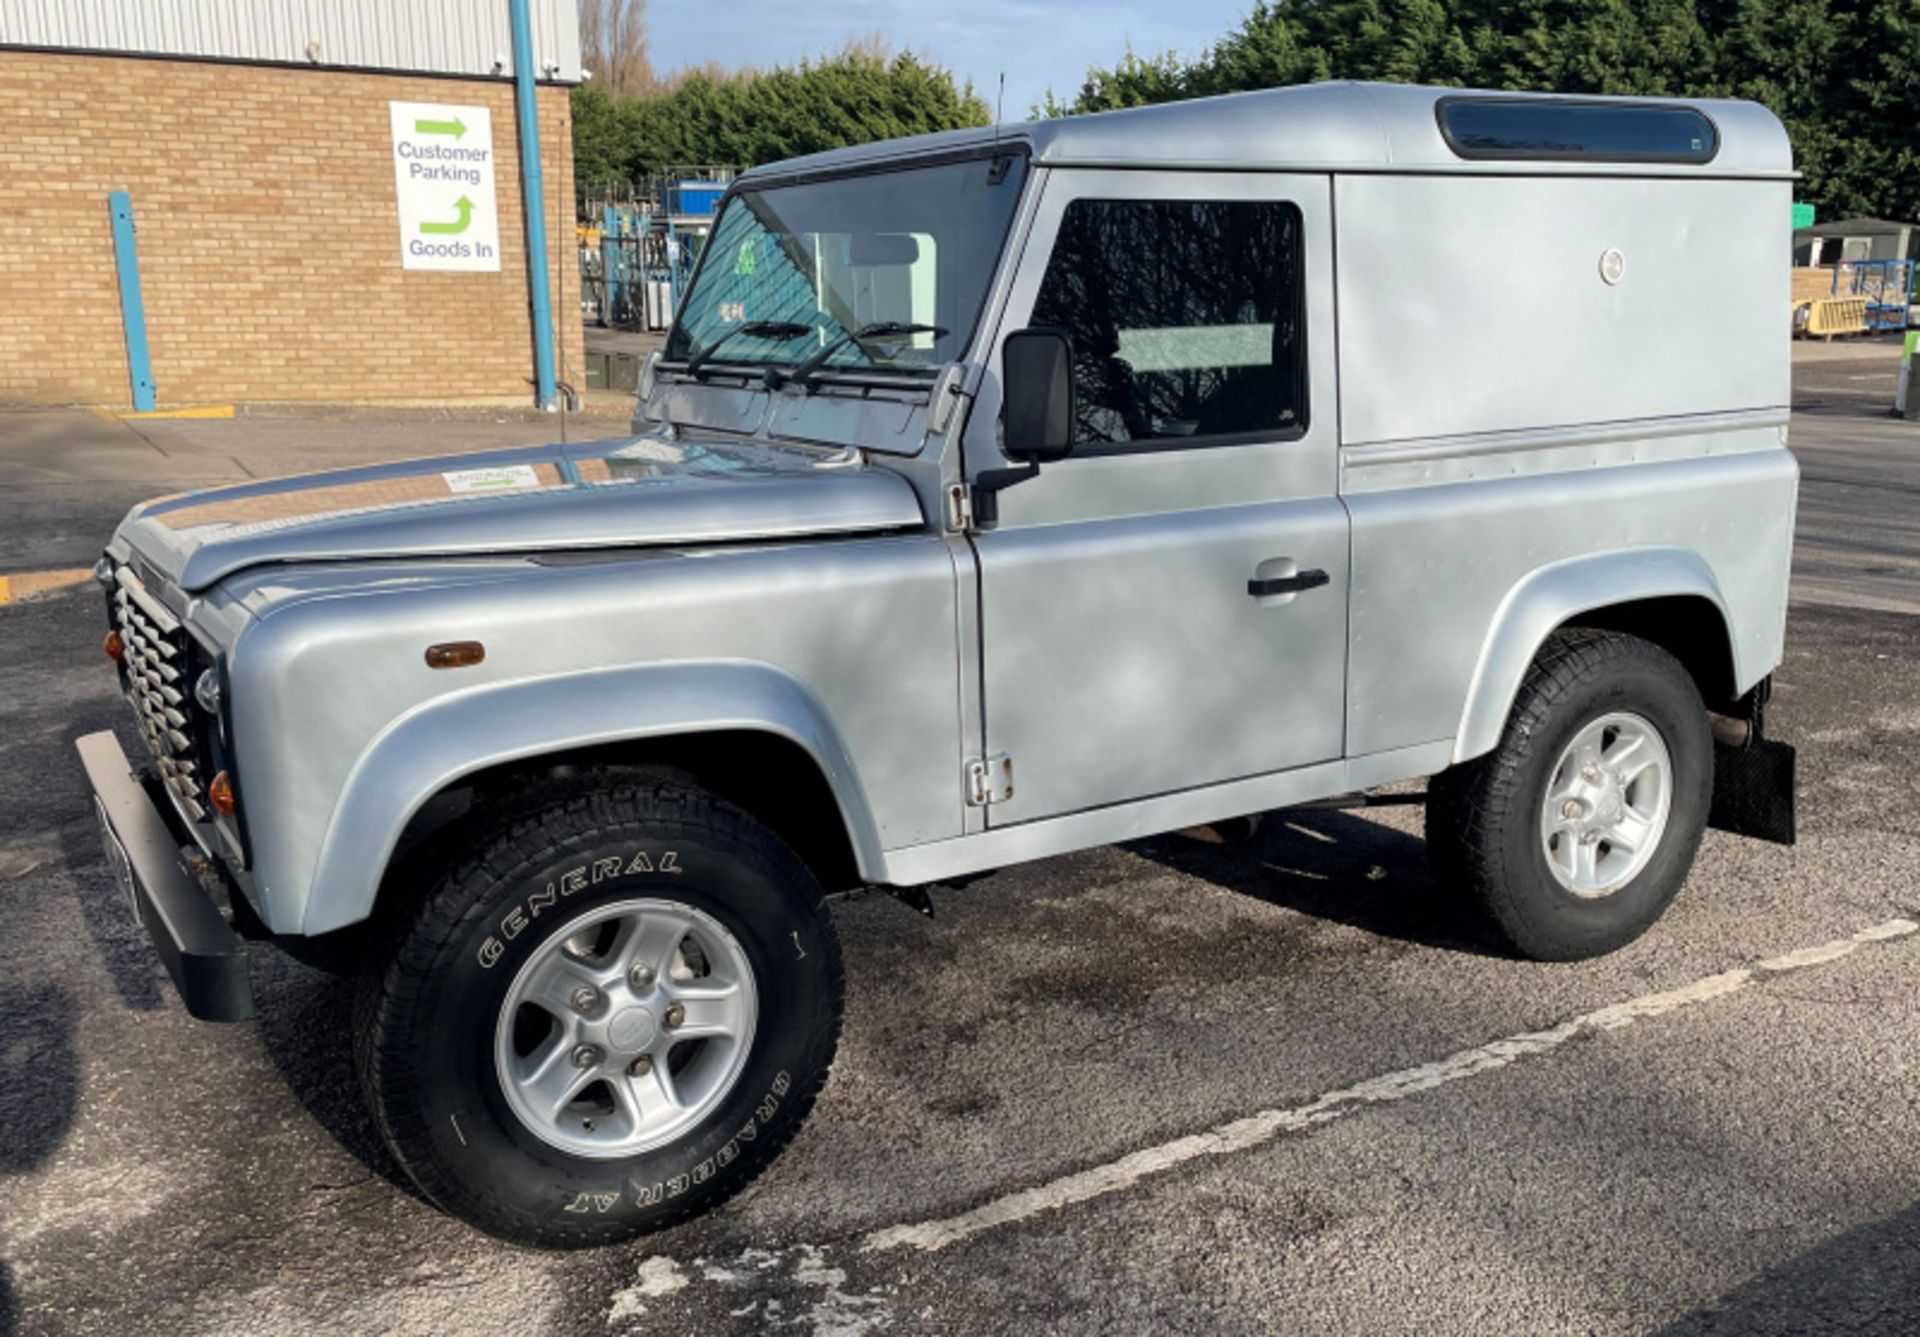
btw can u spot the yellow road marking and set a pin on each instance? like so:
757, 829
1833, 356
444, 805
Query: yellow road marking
190, 411
26, 584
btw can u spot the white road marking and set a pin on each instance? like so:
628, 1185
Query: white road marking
1810, 956
1242, 1134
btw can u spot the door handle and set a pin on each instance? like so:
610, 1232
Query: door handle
1293, 584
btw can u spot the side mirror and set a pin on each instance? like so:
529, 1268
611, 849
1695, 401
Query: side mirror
1036, 391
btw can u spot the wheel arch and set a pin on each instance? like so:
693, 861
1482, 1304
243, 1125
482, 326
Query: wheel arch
746, 730
1668, 596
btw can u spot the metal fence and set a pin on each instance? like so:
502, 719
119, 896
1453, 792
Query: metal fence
1886, 286
638, 242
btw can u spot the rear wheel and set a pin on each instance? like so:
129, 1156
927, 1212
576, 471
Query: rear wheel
611, 1020
1574, 834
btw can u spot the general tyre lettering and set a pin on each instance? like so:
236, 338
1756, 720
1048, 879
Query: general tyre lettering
583, 884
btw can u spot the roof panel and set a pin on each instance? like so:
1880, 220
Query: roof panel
1358, 127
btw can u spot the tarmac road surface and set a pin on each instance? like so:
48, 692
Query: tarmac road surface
1170, 1085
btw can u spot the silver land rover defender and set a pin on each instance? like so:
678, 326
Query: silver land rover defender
997, 494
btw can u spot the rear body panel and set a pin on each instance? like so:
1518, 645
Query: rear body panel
1438, 568
1564, 367
1500, 318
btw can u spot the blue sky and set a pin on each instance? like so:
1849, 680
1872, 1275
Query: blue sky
1037, 44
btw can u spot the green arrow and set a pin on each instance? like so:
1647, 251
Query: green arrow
456, 127
465, 206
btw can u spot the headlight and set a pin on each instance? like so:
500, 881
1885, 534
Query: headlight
206, 690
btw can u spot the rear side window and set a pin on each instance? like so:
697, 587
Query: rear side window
1559, 131
1185, 319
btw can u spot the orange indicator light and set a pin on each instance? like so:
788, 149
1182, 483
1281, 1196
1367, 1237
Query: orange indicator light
455, 654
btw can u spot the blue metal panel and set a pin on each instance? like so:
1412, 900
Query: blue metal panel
697, 198
533, 194
133, 312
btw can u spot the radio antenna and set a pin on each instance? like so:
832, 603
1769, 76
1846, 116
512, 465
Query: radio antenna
999, 102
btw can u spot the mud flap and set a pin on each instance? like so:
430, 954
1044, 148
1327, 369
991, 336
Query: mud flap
1753, 790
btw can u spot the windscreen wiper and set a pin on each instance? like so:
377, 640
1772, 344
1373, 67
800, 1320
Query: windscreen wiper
782, 330
803, 374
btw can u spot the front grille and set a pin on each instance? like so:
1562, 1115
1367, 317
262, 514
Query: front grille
155, 664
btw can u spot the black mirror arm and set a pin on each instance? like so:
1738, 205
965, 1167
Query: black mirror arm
987, 486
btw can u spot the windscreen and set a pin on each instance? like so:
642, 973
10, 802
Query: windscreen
915, 247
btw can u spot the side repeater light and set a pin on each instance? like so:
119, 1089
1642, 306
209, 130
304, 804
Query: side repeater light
455, 654
114, 646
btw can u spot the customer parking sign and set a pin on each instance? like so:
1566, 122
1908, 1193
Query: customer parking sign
443, 180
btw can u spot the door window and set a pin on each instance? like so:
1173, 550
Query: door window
1186, 321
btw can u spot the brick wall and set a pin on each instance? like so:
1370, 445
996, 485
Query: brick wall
268, 237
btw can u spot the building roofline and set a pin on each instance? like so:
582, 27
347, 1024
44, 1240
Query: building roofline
315, 67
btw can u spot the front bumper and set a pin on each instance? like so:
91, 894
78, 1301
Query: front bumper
203, 955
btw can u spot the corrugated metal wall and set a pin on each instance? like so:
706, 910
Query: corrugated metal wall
464, 37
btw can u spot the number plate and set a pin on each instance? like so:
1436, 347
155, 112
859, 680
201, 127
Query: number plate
117, 858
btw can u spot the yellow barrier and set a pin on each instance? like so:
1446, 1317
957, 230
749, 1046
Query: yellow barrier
1837, 315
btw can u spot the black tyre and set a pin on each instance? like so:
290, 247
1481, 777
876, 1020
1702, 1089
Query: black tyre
1574, 834
610, 1019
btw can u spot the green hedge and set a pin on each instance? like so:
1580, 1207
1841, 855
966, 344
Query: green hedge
1844, 77
762, 116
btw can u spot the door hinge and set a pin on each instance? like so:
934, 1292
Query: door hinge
989, 780
959, 508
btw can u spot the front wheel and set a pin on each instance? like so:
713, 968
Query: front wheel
610, 1020
1574, 834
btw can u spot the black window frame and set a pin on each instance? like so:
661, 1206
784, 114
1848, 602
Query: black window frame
1216, 440
1470, 153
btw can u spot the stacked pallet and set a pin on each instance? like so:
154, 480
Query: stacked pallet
1811, 283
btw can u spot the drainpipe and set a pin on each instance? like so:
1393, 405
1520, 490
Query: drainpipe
533, 196
133, 312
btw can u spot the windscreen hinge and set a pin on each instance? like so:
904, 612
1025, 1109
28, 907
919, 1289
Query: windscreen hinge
959, 508
989, 780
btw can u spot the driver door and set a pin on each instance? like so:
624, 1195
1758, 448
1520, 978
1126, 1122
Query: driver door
1131, 644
